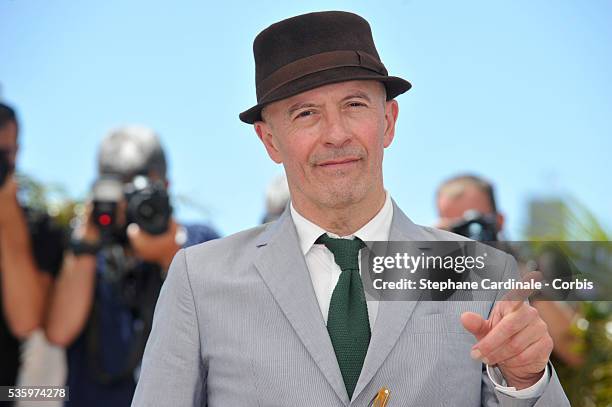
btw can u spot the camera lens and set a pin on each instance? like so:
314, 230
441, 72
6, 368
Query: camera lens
148, 205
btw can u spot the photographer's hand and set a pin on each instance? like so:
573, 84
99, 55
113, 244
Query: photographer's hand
73, 291
24, 289
8, 201
158, 249
87, 229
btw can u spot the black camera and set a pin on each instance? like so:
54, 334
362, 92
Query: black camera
147, 205
477, 226
5, 166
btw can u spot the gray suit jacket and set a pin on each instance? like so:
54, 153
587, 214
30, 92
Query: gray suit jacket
238, 324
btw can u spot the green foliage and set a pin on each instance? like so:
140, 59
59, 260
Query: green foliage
51, 198
590, 384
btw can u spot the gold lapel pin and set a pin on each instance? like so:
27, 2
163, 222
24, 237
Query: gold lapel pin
381, 398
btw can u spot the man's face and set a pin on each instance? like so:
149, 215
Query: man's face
8, 142
451, 208
331, 141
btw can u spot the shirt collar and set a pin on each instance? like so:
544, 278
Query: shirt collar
377, 229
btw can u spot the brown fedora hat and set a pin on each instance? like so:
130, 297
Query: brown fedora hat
315, 49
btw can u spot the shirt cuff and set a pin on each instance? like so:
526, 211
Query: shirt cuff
530, 392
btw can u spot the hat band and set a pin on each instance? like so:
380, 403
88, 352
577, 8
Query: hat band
317, 63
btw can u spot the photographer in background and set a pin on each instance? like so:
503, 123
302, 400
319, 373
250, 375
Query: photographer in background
31, 250
103, 301
277, 198
466, 206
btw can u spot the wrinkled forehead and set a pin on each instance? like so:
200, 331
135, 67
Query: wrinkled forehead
453, 202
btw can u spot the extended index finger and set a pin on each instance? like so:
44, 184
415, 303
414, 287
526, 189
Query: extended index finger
514, 298
510, 325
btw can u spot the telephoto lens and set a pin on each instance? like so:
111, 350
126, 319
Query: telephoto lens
148, 205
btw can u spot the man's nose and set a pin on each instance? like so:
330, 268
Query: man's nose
336, 131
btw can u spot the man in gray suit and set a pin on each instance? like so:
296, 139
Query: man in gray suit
276, 315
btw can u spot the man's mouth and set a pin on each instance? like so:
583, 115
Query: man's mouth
339, 162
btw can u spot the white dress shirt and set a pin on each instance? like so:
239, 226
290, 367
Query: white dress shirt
324, 273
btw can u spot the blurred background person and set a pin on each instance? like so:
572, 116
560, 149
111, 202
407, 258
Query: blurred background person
277, 196
31, 250
467, 206
103, 300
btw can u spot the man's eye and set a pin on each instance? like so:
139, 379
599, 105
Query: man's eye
305, 113
356, 104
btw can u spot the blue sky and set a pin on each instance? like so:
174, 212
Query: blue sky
519, 91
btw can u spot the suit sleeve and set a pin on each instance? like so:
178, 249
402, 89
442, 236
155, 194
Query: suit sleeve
553, 394
173, 373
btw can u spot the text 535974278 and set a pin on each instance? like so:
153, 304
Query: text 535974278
34, 393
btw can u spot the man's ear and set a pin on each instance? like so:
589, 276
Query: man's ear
391, 113
264, 132
500, 221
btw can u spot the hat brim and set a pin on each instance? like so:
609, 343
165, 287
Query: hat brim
395, 86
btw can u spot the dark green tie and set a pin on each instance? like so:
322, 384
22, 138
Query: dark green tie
347, 320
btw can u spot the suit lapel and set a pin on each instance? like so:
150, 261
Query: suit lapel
283, 268
392, 315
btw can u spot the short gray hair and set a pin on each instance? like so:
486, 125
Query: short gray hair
131, 150
455, 186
